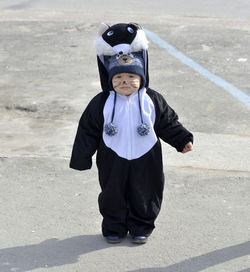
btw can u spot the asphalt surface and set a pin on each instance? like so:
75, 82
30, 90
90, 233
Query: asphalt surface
49, 219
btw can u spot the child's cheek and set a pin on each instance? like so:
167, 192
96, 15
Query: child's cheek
116, 83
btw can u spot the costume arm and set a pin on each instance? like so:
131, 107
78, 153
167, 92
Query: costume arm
88, 136
169, 129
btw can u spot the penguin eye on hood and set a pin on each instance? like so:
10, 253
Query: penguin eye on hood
110, 33
130, 30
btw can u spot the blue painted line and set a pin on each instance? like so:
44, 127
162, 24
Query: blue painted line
234, 91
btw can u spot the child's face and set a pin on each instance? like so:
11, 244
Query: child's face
126, 83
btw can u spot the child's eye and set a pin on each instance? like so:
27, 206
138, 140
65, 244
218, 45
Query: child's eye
110, 33
130, 29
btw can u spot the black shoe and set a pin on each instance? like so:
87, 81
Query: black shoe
139, 239
113, 239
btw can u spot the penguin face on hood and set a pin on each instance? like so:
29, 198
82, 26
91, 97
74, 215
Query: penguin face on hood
120, 39
120, 33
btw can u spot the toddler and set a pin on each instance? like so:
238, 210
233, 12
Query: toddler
124, 124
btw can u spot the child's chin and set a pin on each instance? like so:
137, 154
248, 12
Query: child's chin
126, 91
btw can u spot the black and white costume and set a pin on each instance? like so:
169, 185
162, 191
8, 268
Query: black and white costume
129, 163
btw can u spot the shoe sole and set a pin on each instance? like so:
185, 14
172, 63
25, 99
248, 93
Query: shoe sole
139, 242
113, 241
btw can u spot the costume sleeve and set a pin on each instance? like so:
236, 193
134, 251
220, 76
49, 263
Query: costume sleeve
167, 126
88, 135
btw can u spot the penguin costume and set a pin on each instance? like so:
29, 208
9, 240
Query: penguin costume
126, 131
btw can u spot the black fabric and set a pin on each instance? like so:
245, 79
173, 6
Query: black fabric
120, 34
89, 133
104, 77
132, 190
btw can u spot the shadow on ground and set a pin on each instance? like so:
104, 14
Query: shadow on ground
50, 253
205, 261
54, 252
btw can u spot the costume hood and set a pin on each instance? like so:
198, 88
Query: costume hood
121, 48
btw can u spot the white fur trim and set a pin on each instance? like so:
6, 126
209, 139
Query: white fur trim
103, 48
139, 43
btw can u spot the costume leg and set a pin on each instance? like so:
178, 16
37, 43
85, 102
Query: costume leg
145, 189
113, 176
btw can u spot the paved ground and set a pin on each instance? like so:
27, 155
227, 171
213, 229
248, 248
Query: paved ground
48, 213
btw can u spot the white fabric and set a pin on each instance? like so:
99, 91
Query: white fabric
140, 42
127, 143
122, 47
